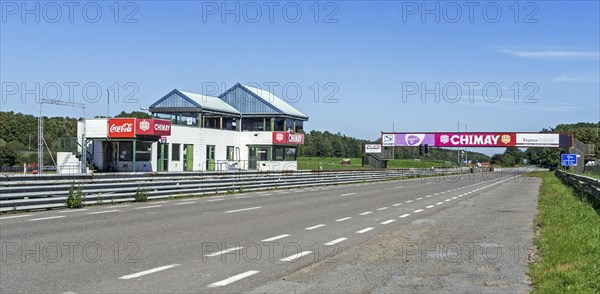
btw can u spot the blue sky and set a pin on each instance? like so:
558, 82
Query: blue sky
371, 61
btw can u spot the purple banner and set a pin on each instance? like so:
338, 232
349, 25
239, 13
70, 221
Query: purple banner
415, 139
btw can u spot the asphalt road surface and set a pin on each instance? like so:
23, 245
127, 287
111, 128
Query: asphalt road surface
369, 237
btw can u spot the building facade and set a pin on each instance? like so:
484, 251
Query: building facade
245, 128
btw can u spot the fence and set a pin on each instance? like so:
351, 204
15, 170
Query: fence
50, 191
581, 183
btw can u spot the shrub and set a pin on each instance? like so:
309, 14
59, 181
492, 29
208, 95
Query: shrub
141, 195
75, 198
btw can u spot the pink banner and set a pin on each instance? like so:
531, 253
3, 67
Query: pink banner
475, 139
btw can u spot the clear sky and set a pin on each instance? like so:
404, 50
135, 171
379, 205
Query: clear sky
372, 62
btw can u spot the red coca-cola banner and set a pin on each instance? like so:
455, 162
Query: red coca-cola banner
152, 127
121, 128
288, 138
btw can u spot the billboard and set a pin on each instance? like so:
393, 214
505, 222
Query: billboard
121, 128
372, 148
475, 139
538, 140
414, 139
288, 138
152, 127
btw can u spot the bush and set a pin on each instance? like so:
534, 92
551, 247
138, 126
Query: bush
141, 195
75, 198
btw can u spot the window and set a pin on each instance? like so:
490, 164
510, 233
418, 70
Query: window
253, 124
299, 126
279, 125
143, 151
278, 153
175, 152
282, 153
230, 152
125, 149
290, 154
289, 125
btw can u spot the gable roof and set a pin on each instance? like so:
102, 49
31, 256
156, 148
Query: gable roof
178, 99
253, 101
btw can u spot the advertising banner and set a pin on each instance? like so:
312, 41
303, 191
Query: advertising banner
152, 127
121, 128
475, 139
414, 139
288, 138
538, 140
372, 148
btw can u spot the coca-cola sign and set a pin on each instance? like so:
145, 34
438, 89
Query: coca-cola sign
121, 128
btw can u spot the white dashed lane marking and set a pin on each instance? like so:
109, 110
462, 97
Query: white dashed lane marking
147, 272
347, 194
233, 279
418, 210
44, 218
104, 211
364, 230
275, 238
343, 219
243, 209
335, 241
223, 251
296, 256
388, 221
405, 215
315, 227
365, 213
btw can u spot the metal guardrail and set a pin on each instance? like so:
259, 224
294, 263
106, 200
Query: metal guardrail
581, 183
33, 193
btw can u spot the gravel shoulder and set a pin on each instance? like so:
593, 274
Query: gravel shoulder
481, 244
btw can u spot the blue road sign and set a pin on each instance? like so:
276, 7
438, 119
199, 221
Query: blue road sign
568, 159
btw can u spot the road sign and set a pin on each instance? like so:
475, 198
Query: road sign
568, 159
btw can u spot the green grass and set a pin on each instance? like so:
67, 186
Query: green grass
568, 240
333, 163
328, 163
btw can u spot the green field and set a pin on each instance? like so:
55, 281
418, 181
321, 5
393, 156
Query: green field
333, 163
568, 240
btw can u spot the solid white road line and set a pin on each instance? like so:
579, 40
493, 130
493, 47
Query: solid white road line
364, 230
233, 279
399, 187
295, 256
15, 216
146, 207
183, 203
243, 209
275, 238
158, 202
405, 215
103, 211
45, 218
365, 213
223, 251
418, 210
335, 241
383, 208
150, 271
342, 219
397, 204
388, 221
125, 205
315, 227
348, 194
213, 200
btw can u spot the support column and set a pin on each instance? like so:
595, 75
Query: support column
133, 155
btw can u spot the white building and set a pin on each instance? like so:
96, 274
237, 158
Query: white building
243, 129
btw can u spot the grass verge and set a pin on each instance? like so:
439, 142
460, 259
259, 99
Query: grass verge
568, 240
